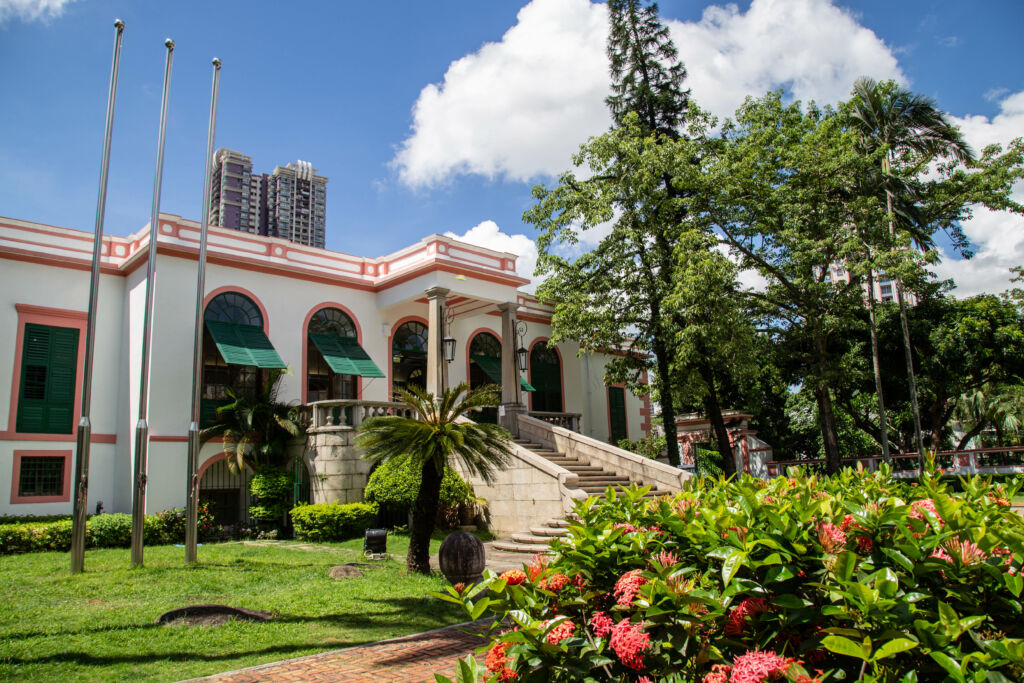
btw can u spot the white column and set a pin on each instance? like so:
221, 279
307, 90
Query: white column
436, 370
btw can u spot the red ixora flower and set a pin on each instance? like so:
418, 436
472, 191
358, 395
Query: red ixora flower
831, 537
553, 583
627, 586
513, 577
719, 674
755, 667
629, 641
918, 506
601, 624
751, 607
561, 632
497, 662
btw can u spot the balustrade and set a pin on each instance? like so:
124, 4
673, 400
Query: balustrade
350, 413
570, 421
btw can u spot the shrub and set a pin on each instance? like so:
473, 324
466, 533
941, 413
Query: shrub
111, 530
332, 521
396, 482
649, 447
708, 462
272, 487
859, 575
102, 531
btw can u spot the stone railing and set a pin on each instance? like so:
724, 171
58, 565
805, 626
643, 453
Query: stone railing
570, 421
611, 458
349, 414
1001, 460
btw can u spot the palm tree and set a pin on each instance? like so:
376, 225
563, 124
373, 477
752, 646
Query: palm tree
437, 434
256, 426
896, 121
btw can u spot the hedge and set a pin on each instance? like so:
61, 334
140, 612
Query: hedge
332, 521
853, 577
101, 531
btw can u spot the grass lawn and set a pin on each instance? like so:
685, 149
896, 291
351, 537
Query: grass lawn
99, 626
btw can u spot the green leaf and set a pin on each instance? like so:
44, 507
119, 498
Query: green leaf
790, 601
845, 646
894, 646
478, 608
779, 572
899, 558
846, 562
732, 565
950, 620
949, 664
1014, 583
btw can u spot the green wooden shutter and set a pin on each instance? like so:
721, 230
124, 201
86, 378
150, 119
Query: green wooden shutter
345, 356
49, 364
244, 345
546, 377
617, 413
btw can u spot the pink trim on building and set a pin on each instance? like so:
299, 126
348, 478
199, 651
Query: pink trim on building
65, 494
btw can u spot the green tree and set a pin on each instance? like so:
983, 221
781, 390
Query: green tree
256, 427
784, 205
613, 297
908, 129
647, 75
713, 337
438, 434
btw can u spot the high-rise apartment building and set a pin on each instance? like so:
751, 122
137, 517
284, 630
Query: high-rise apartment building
235, 193
296, 203
290, 203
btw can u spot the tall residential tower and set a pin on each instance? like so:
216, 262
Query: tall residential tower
290, 203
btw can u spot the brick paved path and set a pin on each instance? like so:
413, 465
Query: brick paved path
412, 659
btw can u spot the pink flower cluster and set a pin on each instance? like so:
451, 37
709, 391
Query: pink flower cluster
918, 506
666, 558
750, 667
968, 552
832, 537
601, 624
738, 615
629, 641
561, 632
627, 586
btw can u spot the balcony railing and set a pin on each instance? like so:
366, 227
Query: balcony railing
350, 414
570, 421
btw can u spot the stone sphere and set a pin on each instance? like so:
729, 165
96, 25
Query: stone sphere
461, 558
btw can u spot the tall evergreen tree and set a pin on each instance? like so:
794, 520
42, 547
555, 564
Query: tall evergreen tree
647, 76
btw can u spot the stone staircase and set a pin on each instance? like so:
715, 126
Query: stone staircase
593, 480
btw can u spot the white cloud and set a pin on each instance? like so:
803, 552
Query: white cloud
517, 109
489, 236
997, 235
813, 48
31, 10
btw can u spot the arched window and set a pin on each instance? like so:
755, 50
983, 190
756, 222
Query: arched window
484, 360
322, 382
235, 349
409, 355
546, 378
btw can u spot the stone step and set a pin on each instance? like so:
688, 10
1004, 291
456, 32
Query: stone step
548, 531
559, 523
529, 539
525, 548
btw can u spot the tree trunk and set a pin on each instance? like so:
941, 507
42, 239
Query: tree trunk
424, 514
713, 408
668, 410
883, 423
826, 417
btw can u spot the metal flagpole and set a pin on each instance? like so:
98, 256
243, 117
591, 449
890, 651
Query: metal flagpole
81, 495
192, 495
142, 427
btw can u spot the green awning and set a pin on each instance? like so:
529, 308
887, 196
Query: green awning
345, 355
492, 368
244, 345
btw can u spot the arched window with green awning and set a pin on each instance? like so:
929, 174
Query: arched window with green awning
334, 357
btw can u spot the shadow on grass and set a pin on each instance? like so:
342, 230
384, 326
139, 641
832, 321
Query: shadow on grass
85, 659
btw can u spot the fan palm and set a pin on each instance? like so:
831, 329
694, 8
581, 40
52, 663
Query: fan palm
437, 434
896, 121
255, 426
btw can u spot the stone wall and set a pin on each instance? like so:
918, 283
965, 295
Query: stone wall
337, 472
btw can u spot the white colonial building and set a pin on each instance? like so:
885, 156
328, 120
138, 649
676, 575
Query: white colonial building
348, 328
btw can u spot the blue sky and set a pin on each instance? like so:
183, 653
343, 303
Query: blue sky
440, 116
